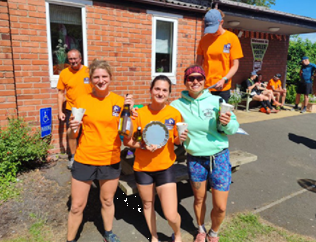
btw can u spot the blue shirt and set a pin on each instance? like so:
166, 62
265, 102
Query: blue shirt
307, 72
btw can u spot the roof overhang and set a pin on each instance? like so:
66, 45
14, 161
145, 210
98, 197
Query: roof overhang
250, 18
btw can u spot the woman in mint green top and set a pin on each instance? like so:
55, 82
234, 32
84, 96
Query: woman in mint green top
207, 148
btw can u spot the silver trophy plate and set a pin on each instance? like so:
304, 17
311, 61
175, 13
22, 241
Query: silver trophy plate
155, 133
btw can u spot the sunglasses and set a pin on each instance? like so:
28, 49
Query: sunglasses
198, 78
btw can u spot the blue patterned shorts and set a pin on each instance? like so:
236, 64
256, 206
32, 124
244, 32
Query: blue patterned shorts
219, 174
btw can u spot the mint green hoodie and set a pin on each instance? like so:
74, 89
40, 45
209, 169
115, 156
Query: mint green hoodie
200, 114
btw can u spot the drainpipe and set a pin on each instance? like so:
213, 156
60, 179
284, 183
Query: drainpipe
13, 66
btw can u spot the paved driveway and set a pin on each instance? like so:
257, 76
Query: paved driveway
279, 185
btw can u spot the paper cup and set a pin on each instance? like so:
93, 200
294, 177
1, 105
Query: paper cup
181, 127
225, 107
78, 114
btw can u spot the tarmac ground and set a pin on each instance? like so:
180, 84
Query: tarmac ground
279, 186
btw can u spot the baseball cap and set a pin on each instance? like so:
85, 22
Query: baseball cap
253, 73
305, 58
278, 75
211, 21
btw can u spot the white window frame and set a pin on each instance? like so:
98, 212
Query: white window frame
71, 3
168, 18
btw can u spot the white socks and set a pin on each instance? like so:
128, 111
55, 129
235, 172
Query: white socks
202, 229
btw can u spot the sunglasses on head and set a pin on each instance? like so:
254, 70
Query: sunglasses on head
192, 78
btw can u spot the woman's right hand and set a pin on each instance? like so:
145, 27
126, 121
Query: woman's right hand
74, 125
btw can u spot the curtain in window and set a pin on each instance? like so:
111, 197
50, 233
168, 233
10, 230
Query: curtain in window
64, 15
164, 32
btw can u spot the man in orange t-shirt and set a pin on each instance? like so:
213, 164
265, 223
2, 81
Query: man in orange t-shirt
218, 52
276, 86
75, 81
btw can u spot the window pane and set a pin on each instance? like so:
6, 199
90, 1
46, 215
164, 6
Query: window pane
66, 34
164, 46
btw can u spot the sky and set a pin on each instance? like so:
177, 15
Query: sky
303, 7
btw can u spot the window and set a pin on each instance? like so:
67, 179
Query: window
164, 47
65, 31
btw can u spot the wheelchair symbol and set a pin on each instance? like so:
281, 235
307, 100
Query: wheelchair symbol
45, 118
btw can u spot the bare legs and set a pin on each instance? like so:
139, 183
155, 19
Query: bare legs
107, 192
199, 206
219, 199
218, 213
79, 196
168, 197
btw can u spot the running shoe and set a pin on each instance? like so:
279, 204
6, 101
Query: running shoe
200, 237
303, 110
111, 238
283, 108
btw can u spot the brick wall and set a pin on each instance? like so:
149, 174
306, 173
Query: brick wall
7, 89
274, 60
121, 35
30, 57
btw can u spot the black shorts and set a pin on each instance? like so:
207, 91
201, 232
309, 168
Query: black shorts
68, 114
224, 94
83, 172
305, 88
157, 177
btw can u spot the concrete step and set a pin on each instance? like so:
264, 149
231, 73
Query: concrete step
237, 158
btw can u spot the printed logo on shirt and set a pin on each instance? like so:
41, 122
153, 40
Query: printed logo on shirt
227, 48
86, 80
170, 123
208, 113
116, 110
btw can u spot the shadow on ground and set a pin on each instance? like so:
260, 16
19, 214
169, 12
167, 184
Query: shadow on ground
130, 209
302, 140
307, 184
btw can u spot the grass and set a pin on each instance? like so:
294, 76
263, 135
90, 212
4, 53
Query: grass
249, 227
8, 190
39, 231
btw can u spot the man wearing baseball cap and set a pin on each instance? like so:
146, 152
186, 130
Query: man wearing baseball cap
218, 52
275, 85
306, 84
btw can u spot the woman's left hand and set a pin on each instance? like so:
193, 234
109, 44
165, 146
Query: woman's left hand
225, 118
151, 148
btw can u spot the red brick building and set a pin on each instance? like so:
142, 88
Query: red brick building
140, 39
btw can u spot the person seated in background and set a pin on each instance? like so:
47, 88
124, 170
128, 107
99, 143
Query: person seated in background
276, 86
267, 92
256, 94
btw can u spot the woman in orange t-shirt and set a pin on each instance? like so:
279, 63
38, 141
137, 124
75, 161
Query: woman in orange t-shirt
98, 152
153, 165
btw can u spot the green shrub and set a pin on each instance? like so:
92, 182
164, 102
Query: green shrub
235, 98
290, 94
21, 148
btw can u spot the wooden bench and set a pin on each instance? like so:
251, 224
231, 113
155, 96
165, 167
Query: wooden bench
127, 181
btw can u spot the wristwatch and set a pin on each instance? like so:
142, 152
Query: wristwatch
226, 79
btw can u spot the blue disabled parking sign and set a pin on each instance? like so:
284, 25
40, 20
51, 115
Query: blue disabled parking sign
46, 121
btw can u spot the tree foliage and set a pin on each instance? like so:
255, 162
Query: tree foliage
264, 3
297, 49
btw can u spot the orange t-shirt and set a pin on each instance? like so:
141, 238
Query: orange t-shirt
164, 157
99, 143
76, 83
218, 51
275, 84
